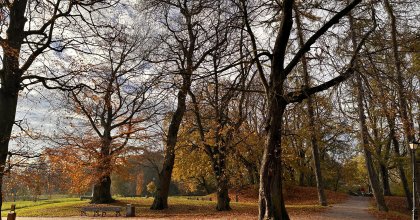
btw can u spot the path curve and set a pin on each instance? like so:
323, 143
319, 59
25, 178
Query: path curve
356, 208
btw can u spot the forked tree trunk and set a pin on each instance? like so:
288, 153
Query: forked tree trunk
102, 191
385, 179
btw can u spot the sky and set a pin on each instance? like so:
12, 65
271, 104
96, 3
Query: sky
38, 115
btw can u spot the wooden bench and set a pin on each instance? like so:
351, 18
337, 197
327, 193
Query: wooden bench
101, 210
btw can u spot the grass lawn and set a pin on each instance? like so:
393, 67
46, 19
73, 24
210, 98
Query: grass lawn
53, 207
179, 207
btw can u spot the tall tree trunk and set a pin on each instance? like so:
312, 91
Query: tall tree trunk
402, 99
390, 117
311, 117
382, 160
222, 192
364, 139
373, 177
161, 196
10, 79
271, 201
401, 171
408, 126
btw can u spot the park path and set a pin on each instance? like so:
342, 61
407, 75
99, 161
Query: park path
354, 208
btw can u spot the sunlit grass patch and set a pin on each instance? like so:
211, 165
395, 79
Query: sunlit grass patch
53, 207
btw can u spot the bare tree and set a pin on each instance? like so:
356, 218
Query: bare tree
187, 41
121, 106
29, 29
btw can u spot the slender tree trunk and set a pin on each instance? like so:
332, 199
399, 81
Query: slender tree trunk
390, 117
373, 177
385, 179
250, 167
382, 161
311, 117
301, 165
402, 99
400, 166
161, 196
408, 126
364, 140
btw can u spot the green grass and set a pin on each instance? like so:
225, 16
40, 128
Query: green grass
178, 207
52, 207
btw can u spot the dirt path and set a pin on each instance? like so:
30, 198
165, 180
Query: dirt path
354, 208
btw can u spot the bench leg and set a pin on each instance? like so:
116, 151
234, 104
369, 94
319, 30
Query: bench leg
117, 213
103, 214
96, 213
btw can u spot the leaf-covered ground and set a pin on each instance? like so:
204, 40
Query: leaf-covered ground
397, 209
